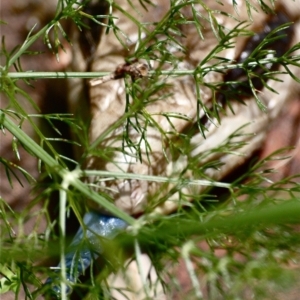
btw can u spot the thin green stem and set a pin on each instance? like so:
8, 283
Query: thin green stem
186, 251
204, 70
151, 178
141, 267
62, 224
31, 145
51, 75
27, 43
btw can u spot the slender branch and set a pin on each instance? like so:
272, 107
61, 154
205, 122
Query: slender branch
205, 70
51, 75
120, 175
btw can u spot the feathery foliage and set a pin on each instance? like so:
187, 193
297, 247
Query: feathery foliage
252, 220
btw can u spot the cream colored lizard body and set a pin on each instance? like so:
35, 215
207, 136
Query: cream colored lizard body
108, 102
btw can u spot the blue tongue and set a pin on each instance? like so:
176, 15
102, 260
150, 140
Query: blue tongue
85, 247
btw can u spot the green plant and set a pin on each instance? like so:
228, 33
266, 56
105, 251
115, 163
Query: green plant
255, 221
